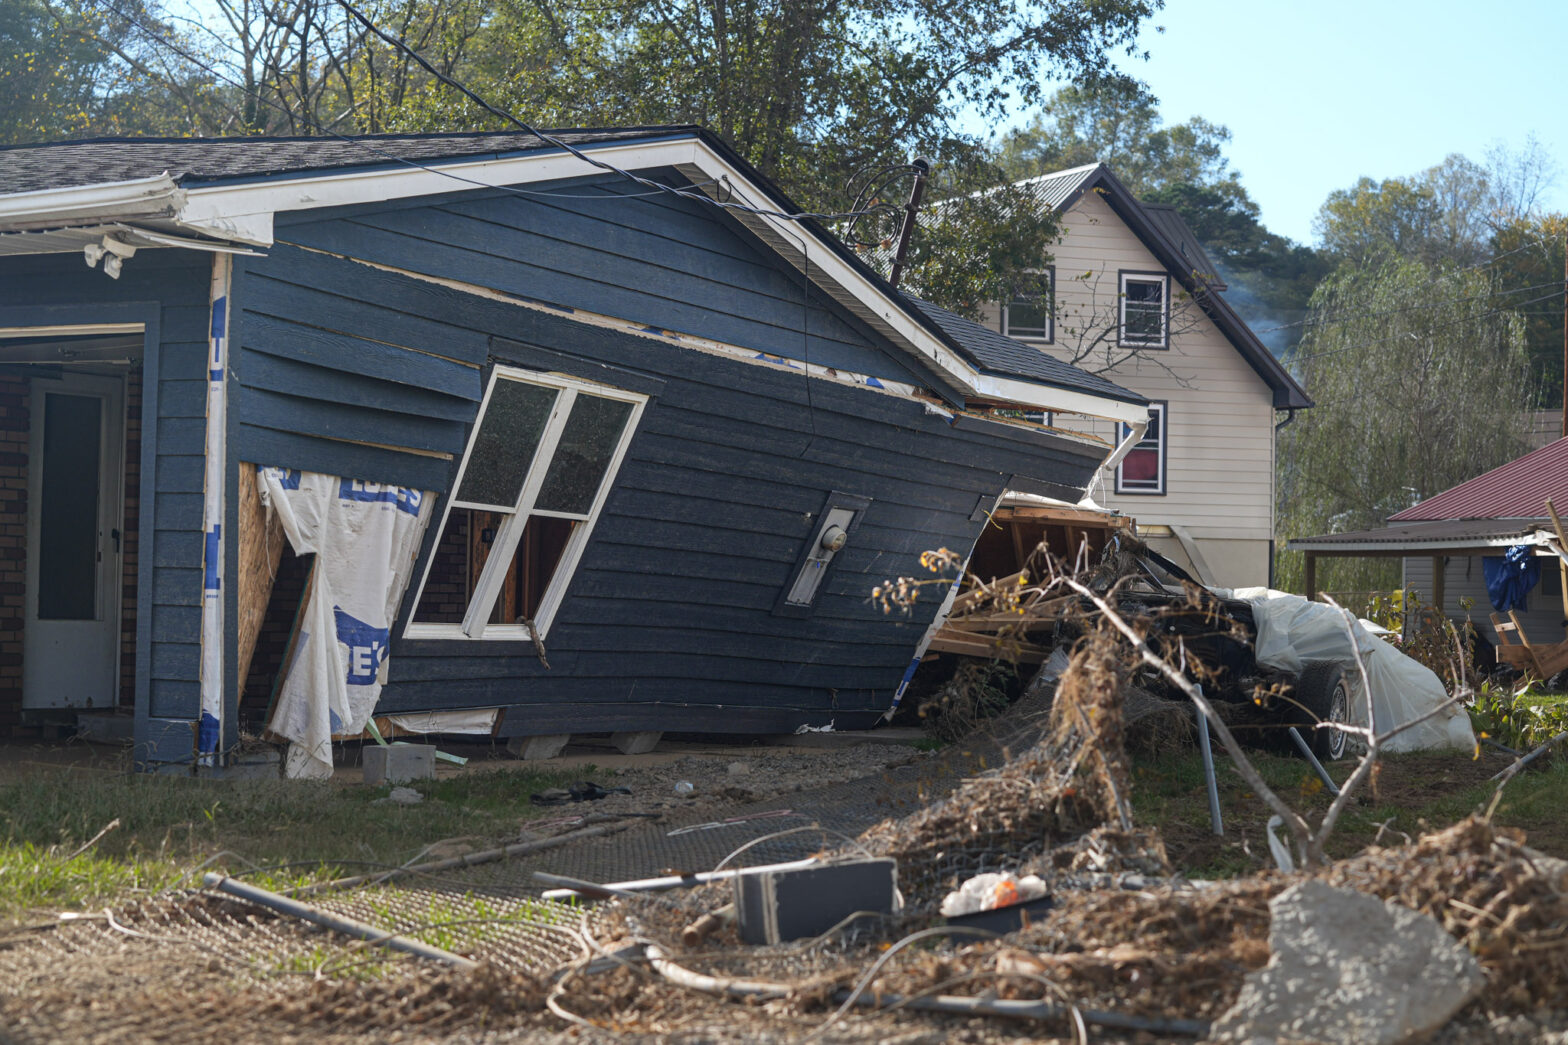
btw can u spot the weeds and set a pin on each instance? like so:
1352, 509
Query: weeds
301, 831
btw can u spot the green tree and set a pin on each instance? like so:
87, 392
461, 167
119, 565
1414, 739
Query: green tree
1184, 165
1418, 379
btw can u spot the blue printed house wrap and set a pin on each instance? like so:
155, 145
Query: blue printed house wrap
365, 537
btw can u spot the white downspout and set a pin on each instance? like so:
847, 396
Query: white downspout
1123, 448
210, 731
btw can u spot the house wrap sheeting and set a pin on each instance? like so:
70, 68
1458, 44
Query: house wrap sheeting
364, 537
1293, 632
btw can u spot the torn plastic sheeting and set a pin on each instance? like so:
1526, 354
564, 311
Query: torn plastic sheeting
365, 537
1293, 632
480, 721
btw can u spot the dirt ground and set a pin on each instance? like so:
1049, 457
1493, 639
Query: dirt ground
189, 968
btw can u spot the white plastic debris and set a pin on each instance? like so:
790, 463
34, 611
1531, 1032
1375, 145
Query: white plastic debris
1277, 848
401, 796
814, 729
684, 787
987, 892
1293, 632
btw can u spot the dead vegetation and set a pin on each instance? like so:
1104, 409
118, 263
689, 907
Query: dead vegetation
1129, 944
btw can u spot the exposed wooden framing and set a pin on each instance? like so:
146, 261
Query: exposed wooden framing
261, 550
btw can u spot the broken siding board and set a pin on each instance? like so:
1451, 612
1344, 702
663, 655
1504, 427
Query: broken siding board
313, 417
272, 374
350, 460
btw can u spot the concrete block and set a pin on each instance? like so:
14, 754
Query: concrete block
636, 743
533, 749
397, 763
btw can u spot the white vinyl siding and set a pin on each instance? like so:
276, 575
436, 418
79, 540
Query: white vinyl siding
1219, 479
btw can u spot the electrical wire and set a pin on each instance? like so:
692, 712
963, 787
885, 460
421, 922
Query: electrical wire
1338, 316
1296, 357
559, 143
688, 192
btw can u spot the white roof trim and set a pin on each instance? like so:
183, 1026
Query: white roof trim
157, 196
244, 212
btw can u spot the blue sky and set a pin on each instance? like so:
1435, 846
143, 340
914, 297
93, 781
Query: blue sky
1318, 93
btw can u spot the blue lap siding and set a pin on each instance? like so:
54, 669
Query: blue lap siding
167, 291
669, 620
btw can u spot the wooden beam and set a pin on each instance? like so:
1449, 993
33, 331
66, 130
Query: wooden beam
1312, 575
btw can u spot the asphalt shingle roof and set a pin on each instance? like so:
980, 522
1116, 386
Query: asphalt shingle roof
55, 165
1000, 354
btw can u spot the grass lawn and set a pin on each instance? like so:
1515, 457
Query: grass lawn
171, 826
1414, 793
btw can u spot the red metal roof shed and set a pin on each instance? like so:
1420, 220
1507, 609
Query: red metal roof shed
1516, 490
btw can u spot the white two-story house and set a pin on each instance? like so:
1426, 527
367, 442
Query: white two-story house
1128, 292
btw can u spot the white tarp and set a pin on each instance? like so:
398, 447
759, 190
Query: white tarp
365, 537
1293, 631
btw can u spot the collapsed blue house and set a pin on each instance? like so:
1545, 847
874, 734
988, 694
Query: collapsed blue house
653, 449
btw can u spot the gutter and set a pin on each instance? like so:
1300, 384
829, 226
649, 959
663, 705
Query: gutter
155, 197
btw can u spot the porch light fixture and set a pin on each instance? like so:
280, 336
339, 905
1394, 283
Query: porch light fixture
112, 252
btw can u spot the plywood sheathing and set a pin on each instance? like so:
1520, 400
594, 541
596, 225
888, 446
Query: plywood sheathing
261, 549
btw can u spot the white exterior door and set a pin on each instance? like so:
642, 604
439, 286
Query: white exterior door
71, 632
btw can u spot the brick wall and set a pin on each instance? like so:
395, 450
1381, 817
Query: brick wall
128, 541
13, 546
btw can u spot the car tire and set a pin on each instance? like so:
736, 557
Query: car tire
1323, 691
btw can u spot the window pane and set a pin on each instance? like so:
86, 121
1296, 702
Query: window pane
68, 509
587, 444
459, 558
1143, 310
1029, 311
533, 567
505, 443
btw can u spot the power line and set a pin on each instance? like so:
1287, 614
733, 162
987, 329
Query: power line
1296, 357
688, 192
573, 150
1345, 314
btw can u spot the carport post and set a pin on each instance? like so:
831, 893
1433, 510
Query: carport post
1312, 576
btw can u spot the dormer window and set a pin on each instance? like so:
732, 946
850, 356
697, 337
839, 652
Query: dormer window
1145, 310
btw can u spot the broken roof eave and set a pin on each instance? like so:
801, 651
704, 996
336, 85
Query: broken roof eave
157, 197
243, 210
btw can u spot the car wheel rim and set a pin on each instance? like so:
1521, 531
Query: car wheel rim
1337, 710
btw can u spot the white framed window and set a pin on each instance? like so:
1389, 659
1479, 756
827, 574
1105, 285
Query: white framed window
540, 462
1142, 471
1030, 314
1145, 310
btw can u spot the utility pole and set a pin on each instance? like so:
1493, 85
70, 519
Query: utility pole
922, 167
1564, 382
